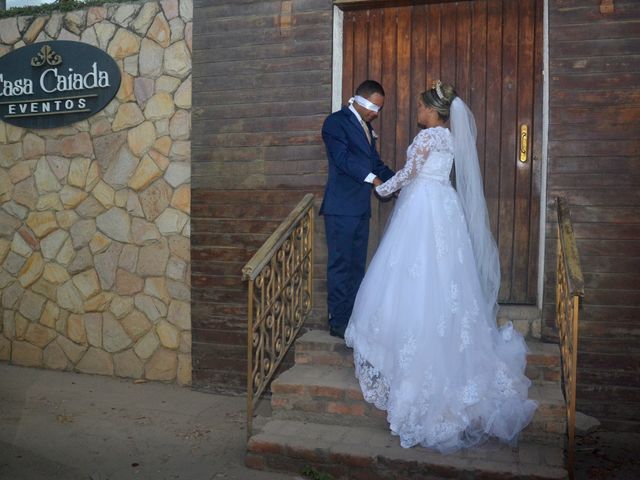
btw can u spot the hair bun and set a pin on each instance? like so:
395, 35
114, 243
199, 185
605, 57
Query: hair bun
449, 92
444, 91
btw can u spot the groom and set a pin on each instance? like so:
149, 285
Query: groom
354, 169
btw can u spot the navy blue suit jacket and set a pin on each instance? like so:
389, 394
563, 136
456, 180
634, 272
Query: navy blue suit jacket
351, 159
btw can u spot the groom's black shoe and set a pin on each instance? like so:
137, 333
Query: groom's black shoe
337, 331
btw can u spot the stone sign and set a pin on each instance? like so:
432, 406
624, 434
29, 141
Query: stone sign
50, 84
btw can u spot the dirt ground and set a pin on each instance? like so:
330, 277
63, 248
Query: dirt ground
67, 426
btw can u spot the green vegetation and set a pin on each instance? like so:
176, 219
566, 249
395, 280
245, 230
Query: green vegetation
57, 6
313, 474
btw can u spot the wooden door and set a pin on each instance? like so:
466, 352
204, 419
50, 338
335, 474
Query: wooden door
491, 51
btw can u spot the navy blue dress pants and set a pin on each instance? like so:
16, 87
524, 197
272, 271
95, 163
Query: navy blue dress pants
347, 239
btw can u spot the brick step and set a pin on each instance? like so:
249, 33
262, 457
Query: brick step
317, 347
331, 394
526, 319
366, 453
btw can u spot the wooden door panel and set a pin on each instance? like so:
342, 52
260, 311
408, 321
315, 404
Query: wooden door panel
508, 119
477, 102
491, 51
525, 95
536, 151
404, 97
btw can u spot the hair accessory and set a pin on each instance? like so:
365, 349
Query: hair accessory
436, 85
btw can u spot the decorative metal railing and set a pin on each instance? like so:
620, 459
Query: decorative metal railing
280, 281
569, 289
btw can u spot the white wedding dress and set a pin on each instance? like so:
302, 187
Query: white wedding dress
426, 345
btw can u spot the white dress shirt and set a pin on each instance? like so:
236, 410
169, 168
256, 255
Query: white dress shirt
369, 178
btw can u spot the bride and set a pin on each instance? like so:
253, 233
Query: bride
423, 329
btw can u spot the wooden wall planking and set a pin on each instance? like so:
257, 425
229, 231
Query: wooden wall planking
594, 161
261, 89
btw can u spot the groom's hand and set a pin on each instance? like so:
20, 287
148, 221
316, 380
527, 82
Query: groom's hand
376, 182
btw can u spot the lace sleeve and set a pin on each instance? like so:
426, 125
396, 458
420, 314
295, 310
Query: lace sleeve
417, 154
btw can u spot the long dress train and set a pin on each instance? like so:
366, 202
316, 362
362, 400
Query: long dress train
426, 345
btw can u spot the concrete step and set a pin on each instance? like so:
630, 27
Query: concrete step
370, 453
331, 394
317, 347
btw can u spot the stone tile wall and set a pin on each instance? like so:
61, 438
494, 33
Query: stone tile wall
95, 217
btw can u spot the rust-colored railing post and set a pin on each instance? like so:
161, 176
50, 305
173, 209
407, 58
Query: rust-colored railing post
569, 289
280, 298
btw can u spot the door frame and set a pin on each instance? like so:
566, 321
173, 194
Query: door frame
336, 104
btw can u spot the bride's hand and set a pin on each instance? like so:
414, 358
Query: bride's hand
387, 198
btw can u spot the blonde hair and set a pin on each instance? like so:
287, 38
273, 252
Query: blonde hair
439, 98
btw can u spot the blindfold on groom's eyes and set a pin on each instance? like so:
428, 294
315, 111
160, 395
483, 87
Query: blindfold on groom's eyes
363, 102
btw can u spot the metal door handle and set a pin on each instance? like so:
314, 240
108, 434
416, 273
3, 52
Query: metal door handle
524, 142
